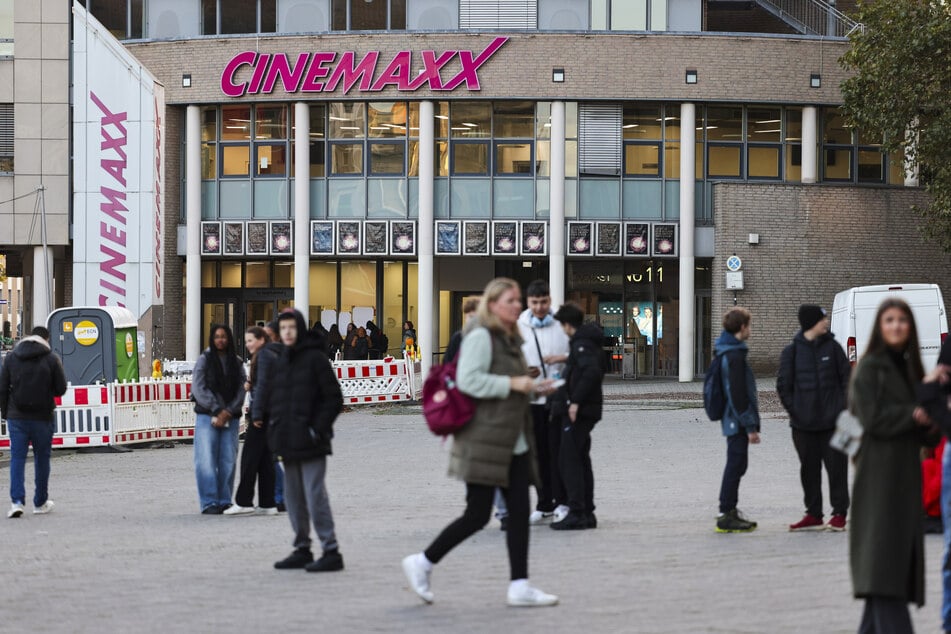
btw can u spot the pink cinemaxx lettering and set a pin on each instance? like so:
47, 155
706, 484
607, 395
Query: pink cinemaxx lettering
252, 73
113, 163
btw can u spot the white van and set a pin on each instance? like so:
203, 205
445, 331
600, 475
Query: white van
853, 315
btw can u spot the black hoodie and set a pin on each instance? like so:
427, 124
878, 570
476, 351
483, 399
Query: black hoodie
32, 349
583, 374
302, 398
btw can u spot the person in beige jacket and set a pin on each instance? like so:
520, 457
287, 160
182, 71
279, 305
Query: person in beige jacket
497, 447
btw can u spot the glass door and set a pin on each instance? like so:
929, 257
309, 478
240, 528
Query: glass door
219, 311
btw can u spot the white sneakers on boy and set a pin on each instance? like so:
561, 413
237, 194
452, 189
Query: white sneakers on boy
234, 509
417, 572
47, 507
561, 512
16, 510
523, 595
537, 517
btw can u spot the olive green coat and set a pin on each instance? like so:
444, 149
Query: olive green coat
482, 450
886, 542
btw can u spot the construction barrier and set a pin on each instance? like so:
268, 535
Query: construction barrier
161, 409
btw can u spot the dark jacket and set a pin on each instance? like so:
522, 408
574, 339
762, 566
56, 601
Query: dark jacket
302, 399
583, 374
742, 407
452, 350
218, 384
360, 350
886, 540
934, 396
29, 349
813, 381
266, 358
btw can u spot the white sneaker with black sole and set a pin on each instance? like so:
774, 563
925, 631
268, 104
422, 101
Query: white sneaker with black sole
523, 595
16, 510
47, 507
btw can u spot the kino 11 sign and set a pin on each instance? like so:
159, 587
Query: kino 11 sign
251, 73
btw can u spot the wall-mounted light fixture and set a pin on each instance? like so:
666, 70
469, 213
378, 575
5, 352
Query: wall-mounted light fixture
753, 238
815, 80
691, 76
186, 81
558, 75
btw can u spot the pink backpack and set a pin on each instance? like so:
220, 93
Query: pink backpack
445, 408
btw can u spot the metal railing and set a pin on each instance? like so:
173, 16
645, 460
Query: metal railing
812, 17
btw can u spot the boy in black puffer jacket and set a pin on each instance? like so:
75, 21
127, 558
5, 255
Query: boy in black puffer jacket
812, 383
301, 402
577, 408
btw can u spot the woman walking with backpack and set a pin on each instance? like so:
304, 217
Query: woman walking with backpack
496, 448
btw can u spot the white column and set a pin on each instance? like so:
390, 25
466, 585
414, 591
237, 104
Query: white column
302, 209
810, 146
556, 206
193, 230
688, 180
42, 285
426, 288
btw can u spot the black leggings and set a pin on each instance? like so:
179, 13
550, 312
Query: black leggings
478, 511
256, 464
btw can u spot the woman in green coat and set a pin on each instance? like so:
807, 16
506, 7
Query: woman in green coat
495, 448
886, 544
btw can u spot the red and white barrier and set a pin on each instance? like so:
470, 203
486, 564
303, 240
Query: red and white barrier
148, 410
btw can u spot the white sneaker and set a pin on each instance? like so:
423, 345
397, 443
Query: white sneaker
527, 596
234, 509
537, 517
46, 508
418, 576
16, 510
561, 512
265, 511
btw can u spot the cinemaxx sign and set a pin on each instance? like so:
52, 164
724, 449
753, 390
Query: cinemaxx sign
252, 73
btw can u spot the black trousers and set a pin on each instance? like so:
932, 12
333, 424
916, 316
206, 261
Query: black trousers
814, 451
574, 459
737, 459
885, 615
256, 464
547, 441
479, 510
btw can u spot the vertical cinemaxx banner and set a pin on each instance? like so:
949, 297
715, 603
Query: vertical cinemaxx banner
118, 194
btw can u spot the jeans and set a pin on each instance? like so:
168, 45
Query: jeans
737, 454
216, 453
479, 509
22, 433
946, 517
278, 482
814, 451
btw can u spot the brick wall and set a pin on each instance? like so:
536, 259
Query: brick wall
170, 336
815, 240
597, 66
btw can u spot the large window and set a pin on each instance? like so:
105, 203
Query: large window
376, 15
224, 17
854, 156
124, 18
629, 15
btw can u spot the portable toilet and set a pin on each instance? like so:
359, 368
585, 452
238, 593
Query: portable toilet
96, 344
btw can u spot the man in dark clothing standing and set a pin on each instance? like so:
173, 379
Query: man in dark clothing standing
301, 402
31, 377
812, 383
577, 408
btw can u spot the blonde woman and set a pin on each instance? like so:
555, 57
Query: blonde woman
497, 447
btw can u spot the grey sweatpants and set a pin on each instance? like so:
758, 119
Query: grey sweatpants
305, 496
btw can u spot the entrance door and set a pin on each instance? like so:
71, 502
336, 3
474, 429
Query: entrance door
218, 311
704, 336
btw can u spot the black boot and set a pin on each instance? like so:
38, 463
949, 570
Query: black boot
330, 561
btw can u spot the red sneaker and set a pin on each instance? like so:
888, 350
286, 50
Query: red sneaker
807, 523
837, 523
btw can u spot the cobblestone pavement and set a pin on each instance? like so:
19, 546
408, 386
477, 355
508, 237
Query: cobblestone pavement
127, 550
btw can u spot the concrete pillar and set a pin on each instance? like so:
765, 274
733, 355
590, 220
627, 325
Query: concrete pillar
556, 206
810, 145
42, 285
426, 287
688, 180
193, 338
302, 209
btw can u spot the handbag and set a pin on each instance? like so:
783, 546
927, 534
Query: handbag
847, 437
445, 408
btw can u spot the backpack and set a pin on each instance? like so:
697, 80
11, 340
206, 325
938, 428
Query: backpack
714, 397
445, 408
30, 389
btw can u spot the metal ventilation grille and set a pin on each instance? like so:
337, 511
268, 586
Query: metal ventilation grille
6, 129
599, 138
498, 14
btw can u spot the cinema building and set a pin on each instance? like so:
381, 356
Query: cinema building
383, 159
